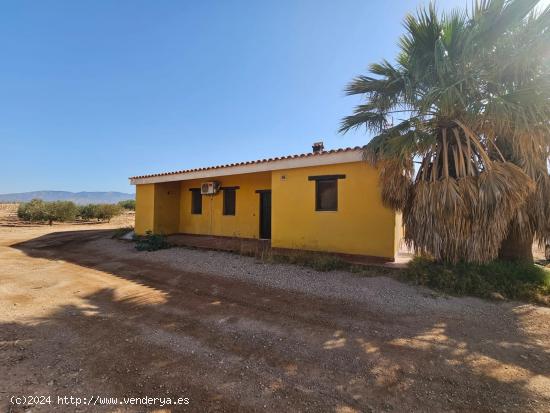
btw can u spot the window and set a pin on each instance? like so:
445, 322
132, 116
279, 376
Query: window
229, 195
326, 195
196, 201
326, 191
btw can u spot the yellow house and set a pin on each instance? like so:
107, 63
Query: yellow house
320, 201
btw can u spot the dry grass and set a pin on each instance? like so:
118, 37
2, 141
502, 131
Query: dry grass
9, 206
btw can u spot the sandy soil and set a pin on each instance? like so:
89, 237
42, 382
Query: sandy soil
83, 315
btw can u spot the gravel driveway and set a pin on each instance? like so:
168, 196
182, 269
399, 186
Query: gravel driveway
84, 314
380, 293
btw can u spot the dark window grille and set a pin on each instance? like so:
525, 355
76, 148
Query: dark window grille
326, 195
229, 198
196, 202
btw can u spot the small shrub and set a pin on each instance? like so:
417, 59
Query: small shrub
151, 242
129, 204
513, 280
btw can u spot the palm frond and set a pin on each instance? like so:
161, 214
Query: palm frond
364, 116
472, 91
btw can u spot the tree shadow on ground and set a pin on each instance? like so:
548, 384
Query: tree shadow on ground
231, 345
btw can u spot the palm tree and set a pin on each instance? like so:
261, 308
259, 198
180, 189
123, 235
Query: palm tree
466, 160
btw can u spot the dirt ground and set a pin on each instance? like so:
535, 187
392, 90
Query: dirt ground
81, 318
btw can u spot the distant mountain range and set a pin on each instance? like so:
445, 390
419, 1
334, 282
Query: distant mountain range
76, 197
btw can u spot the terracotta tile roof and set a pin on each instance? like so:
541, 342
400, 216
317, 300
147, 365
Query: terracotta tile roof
280, 158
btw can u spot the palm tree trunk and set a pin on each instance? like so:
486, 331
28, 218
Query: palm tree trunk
516, 247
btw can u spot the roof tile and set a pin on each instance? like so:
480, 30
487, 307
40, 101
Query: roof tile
302, 155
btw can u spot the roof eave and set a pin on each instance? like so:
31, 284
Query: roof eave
292, 162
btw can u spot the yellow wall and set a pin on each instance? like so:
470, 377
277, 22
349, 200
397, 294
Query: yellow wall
157, 208
145, 206
362, 225
246, 221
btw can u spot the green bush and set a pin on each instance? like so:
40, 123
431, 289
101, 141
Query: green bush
99, 212
34, 210
108, 211
88, 212
512, 280
129, 204
151, 242
39, 211
61, 211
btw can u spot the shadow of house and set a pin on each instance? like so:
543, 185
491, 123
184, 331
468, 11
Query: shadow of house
234, 346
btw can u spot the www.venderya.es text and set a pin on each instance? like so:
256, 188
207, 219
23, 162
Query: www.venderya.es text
94, 400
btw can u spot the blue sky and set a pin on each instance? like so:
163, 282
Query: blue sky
92, 92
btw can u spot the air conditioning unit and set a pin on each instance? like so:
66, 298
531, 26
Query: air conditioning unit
210, 188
